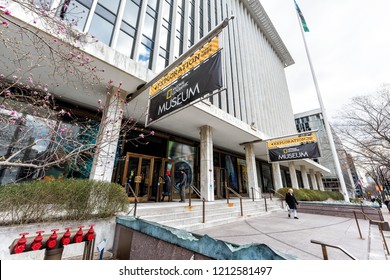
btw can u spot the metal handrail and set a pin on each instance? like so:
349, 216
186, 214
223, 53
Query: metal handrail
325, 253
379, 211
281, 197
136, 200
380, 227
193, 188
265, 199
238, 195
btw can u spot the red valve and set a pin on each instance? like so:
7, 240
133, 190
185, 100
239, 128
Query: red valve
37, 243
91, 233
21, 245
52, 242
79, 235
65, 240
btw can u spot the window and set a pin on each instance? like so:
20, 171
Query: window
148, 34
128, 29
179, 29
191, 26
76, 12
103, 20
165, 35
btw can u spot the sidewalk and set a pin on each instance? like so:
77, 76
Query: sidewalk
291, 237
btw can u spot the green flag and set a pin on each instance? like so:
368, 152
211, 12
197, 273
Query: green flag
303, 21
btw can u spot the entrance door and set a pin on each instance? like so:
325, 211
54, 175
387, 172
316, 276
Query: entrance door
145, 176
220, 182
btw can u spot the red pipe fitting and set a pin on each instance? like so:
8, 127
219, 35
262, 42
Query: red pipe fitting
37, 243
79, 235
65, 240
91, 233
52, 241
21, 244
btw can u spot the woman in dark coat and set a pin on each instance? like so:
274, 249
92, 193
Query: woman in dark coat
292, 203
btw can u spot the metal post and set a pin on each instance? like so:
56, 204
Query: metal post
357, 223
204, 210
253, 194
324, 252
265, 203
383, 237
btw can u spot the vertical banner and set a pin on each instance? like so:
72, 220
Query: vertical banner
204, 79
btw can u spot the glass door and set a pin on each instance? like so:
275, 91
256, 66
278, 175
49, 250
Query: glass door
146, 176
220, 182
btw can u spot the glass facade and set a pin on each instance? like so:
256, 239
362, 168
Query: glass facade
40, 136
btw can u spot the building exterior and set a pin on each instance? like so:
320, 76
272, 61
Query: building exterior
219, 141
313, 121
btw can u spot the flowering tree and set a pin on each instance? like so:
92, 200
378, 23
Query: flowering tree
39, 130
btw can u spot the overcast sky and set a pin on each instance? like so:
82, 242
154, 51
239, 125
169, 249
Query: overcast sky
349, 45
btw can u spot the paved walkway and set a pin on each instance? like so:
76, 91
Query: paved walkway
292, 237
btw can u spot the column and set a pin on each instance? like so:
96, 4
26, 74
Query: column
304, 178
206, 163
277, 176
319, 181
293, 175
252, 172
313, 179
107, 140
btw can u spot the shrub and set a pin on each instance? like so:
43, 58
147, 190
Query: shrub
41, 201
312, 195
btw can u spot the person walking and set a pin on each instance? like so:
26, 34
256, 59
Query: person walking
292, 203
183, 185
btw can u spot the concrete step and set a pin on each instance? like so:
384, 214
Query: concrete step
182, 216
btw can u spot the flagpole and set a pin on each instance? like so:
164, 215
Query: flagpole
327, 126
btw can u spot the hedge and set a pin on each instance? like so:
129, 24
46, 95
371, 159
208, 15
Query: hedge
70, 199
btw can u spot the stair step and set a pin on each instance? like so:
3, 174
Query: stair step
182, 216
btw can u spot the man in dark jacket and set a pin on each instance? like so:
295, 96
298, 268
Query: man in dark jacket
292, 203
183, 185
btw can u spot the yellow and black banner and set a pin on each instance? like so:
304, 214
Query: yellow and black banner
291, 141
303, 151
190, 63
197, 83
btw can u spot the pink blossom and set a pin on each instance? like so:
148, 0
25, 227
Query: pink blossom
55, 40
5, 23
99, 101
87, 58
152, 133
7, 12
62, 130
142, 135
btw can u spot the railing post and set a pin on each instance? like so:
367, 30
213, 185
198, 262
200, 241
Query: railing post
242, 211
190, 194
265, 202
383, 237
324, 252
270, 195
357, 223
253, 194
204, 210
361, 206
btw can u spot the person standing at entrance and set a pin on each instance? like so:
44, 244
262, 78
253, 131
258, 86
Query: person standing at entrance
292, 203
183, 185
